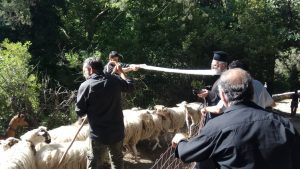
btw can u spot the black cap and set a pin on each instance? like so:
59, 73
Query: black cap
115, 54
220, 56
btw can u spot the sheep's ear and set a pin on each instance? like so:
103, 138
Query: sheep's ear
201, 106
40, 133
22, 115
183, 103
43, 128
165, 109
43, 133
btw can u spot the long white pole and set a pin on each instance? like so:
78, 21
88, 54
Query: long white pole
207, 72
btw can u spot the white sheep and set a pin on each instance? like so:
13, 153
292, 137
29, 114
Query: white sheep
22, 154
66, 133
49, 155
178, 115
162, 124
143, 124
133, 123
193, 112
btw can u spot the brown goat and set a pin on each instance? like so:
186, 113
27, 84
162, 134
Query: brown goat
18, 120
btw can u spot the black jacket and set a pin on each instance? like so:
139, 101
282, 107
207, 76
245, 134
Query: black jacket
245, 136
213, 95
100, 98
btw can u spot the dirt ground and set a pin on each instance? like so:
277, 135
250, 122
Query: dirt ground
283, 107
148, 157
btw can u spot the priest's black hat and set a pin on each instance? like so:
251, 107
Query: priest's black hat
220, 56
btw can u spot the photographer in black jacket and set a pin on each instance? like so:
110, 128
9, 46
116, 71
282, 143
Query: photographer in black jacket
100, 98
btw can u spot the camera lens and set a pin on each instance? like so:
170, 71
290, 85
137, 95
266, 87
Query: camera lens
195, 91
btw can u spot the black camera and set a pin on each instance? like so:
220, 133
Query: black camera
196, 91
208, 87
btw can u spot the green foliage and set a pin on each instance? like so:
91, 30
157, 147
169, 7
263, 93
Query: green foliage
15, 12
73, 59
288, 69
18, 85
181, 34
174, 34
196, 84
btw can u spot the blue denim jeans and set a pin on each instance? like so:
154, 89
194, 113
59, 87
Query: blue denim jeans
98, 155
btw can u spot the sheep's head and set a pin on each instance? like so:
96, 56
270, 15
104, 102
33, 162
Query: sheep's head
8, 143
12, 141
159, 108
37, 135
162, 110
165, 121
183, 103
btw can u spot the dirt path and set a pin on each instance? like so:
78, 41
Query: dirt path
147, 156
283, 107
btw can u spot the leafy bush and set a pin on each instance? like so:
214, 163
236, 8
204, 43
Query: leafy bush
18, 85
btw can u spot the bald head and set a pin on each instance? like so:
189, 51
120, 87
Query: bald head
236, 85
234, 76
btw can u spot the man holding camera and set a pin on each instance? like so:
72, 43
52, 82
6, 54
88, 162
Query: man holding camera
114, 59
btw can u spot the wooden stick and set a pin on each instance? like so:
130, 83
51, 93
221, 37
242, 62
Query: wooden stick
65, 153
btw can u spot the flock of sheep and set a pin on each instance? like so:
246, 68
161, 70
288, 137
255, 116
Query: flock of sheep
34, 151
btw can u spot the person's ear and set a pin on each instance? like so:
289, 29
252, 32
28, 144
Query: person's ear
223, 97
91, 70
